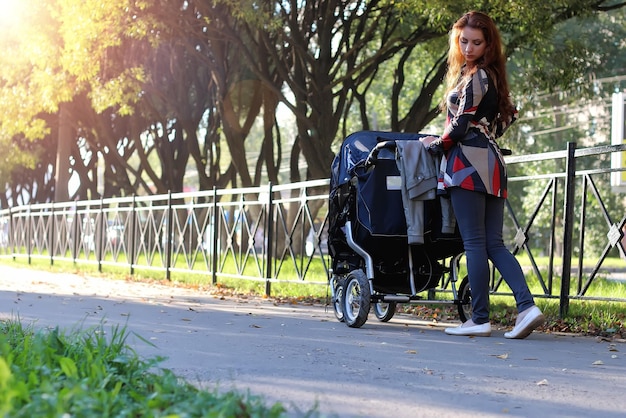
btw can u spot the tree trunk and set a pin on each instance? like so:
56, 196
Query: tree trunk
64, 147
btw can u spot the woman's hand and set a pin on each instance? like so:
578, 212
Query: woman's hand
433, 144
427, 140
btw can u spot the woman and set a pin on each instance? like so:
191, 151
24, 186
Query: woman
473, 172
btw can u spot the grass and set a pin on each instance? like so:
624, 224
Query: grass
196, 279
91, 373
608, 263
188, 269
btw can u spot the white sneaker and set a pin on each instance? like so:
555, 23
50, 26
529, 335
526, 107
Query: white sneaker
526, 322
470, 329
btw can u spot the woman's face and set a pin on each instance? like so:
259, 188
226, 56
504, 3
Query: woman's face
472, 44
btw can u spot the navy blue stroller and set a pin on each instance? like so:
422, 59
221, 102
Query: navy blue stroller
372, 262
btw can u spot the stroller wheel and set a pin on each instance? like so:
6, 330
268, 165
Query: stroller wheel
356, 299
384, 311
465, 300
339, 285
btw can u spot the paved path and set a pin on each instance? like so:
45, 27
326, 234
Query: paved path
302, 357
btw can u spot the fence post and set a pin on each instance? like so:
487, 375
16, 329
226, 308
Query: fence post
100, 236
214, 237
568, 228
168, 244
133, 236
12, 234
52, 237
75, 243
270, 238
28, 235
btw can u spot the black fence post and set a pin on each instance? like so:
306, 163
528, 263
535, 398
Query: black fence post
28, 235
133, 236
568, 228
11, 232
168, 244
51, 235
75, 237
99, 234
270, 239
214, 237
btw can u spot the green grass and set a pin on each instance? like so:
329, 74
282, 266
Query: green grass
191, 268
198, 278
92, 373
608, 263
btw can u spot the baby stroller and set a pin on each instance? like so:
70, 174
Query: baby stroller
372, 261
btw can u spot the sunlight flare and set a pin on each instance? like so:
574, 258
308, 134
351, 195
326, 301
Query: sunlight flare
11, 12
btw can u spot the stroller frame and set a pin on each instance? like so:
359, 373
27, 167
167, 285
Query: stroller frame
373, 265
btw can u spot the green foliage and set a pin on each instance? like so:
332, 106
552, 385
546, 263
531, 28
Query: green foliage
93, 373
569, 56
146, 84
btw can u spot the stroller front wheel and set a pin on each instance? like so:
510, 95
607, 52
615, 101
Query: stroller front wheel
356, 299
384, 311
464, 303
339, 285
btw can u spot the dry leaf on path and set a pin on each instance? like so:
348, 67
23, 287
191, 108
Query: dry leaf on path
501, 356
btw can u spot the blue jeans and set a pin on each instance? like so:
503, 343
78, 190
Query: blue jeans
480, 217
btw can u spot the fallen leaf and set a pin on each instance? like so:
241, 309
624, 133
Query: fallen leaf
501, 356
597, 363
255, 326
543, 382
411, 351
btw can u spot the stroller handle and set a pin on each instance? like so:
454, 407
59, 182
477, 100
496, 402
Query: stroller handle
372, 158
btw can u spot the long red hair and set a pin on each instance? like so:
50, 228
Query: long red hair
493, 61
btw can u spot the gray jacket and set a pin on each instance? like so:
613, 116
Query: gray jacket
418, 172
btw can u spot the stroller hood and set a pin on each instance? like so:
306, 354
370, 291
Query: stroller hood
355, 149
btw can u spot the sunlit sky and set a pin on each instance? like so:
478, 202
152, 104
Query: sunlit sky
10, 11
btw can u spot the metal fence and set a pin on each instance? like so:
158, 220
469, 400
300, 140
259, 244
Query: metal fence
271, 233
277, 233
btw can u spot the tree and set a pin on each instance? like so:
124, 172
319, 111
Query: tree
154, 87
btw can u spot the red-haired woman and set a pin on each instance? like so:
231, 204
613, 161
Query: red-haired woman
473, 173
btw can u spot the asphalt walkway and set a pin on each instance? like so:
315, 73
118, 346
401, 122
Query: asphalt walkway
302, 357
